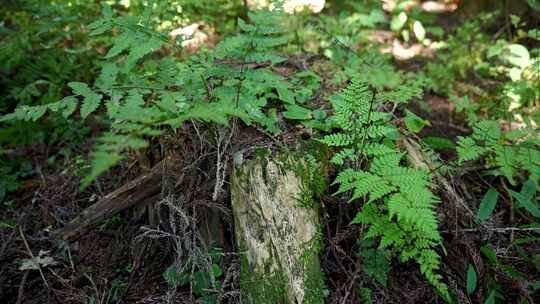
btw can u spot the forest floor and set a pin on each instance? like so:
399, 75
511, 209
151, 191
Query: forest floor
114, 261
119, 262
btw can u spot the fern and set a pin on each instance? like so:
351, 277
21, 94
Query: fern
137, 95
257, 39
399, 206
507, 154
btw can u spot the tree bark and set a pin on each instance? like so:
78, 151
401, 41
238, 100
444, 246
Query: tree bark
277, 232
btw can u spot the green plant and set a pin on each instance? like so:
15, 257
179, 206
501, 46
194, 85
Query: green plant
375, 262
11, 172
406, 21
399, 205
200, 277
461, 52
508, 153
141, 95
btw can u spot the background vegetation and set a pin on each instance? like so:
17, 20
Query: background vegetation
420, 116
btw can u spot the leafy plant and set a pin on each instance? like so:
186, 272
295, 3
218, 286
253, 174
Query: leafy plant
487, 205
471, 279
375, 262
141, 94
201, 279
507, 154
398, 204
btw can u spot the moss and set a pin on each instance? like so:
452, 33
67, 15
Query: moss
314, 277
260, 287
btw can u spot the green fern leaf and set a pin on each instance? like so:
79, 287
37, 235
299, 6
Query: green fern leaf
91, 101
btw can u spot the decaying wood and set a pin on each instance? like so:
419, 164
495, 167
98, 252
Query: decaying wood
277, 237
138, 191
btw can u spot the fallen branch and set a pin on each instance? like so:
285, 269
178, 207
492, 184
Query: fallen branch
135, 192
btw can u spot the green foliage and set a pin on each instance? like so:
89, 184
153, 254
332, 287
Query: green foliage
487, 205
375, 262
463, 53
414, 123
508, 154
43, 47
471, 279
140, 93
11, 172
399, 206
527, 197
220, 15
257, 39
407, 22
198, 277
438, 143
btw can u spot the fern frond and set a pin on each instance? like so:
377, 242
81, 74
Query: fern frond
376, 149
340, 157
399, 207
337, 140
487, 131
91, 101
468, 150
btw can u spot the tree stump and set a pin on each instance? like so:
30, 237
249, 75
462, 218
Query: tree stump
277, 231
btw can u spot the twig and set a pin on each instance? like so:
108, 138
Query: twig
500, 230
511, 201
33, 257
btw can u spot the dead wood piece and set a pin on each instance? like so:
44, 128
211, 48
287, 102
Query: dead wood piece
277, 235
135, 192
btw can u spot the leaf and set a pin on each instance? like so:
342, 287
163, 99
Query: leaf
491, 298
529, 189
518, 55
70, 105
90, 104
487, 205
7, 223
528, 204
216, 270
526, 197
172, 276
419, 30
286, 95
534, 4
319, 115
41, 260
80, 88
121, 43
398, 22
101, 162
297, 112
438, 143
414, 123
92, 100
490, 255
471, 280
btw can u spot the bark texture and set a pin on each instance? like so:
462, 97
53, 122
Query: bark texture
277, 232
139, 191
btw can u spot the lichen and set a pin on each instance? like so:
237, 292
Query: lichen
278, 241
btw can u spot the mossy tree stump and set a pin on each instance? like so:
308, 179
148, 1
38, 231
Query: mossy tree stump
277, 232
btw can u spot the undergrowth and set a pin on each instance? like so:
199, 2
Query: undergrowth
123, 78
